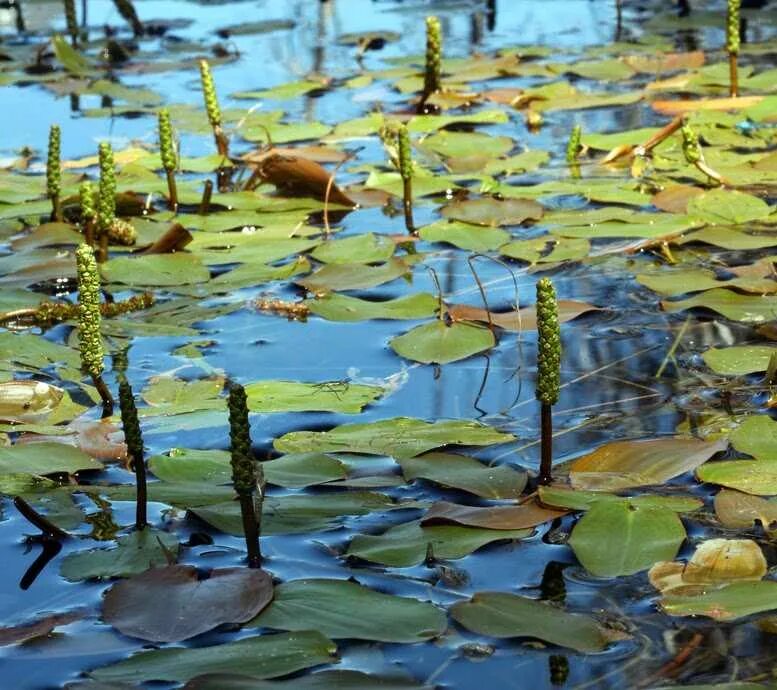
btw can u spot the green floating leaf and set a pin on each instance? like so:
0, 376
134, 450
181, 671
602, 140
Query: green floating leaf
460, 472
161, 270
69, 57
728, 603
739, 359
756, 436
297, 513
134, 553
494, 212
295, 396
499, 614
343, 609
728, 207
564, 497
439, 343
746, 308
266, 656
166, 395
758, 477
659, 225
44, 458
401, 437
459, 144
336, 307
620, 538
407, 545
36, 352
324, 680
474, 238
333, 277
366, 248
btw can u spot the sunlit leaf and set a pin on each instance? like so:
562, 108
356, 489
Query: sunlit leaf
728, 603
440, 343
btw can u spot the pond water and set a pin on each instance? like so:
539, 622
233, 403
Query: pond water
517, 77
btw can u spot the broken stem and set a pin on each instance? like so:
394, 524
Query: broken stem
35, 518
172, 191
207, 194
251, 529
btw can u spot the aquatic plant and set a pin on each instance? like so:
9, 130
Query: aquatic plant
433, 63
122, 232
54, 172
71, 22
732, 45
168, 156
574, 144
87, 201
406, 171
106, 199
134, 440
548, 369
695, 156
89, 337
212, 108
247, 476
127, 11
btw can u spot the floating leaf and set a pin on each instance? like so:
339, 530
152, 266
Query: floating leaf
493, 212
172, 604
739, 360
335, 307
757, 477
41, 627
440, 343
295, 396
756, 436
343, 609
353, 276
741, 511
408, 544
401, 437
625, 464
134, 553
747, 308
324, 680
473, 238
266, 656
617, 538
163, 270
524, 319
728, 207
499, 614
461, 472
728, 603
565, 497
44, 458
521, 516
366, 248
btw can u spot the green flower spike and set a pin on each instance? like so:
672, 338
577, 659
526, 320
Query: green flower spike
246, 473
732, 46
71, 22
406, 171
432, 78
122, 232
167, 154
106, 198
548, 370
574, 144
89, 338
54, 172
212, 107
88, 203
134, 441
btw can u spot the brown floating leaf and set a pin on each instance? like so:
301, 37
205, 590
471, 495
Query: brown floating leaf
492, 517
295, 176
171, 604
626, 464
675, 199
524, 319
740, 511
493, 212
667, 62
175, 238
38, 628
317, 153
680, 107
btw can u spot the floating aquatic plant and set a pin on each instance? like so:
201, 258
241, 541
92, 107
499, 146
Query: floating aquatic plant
167, 154
212, 108
54, 172
548, 369
732, 45
134, 441
89, 337
247, 476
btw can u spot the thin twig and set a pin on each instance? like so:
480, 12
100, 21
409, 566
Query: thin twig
673, 349
34, 517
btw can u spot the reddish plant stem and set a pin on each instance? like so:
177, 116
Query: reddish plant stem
546, 444
172, 191
250, 529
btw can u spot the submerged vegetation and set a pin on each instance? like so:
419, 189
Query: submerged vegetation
339, 297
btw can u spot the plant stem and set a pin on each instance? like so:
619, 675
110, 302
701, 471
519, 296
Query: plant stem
141, 496
733, 76
207, 193
172, 191
34, 517
546, 453
251, 529
105, 395
407, 203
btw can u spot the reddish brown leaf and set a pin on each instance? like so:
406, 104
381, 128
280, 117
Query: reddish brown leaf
675, 199
680, 107
295, 176
492, 517
175, 238
38, 628
524, 319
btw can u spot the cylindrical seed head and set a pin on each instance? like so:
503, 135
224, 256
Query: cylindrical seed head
87, 201
243, 466
432, 72
548, 344
90, 341
732, 27
405, 153
130, 422
122, 232
166, 142
53, 166
574, 144
691, 146
106, 197
209, 94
